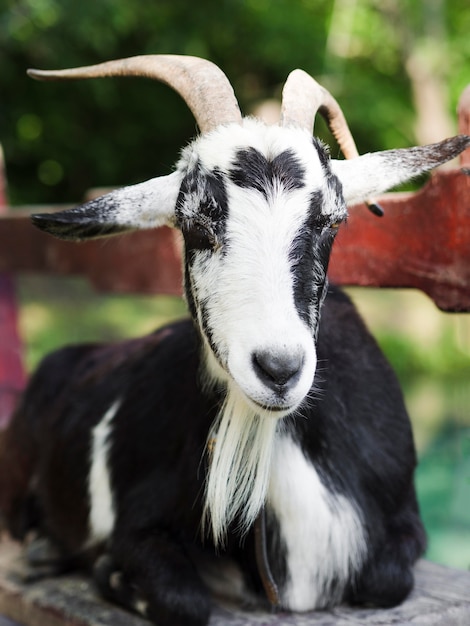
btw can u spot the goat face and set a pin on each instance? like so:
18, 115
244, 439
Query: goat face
258, 208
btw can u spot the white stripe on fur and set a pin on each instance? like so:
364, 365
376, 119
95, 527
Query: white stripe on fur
322, 531
102, 510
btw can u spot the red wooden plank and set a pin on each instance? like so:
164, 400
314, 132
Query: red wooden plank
12, 375
141, 262
423, 241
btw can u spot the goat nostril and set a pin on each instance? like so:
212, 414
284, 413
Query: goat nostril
278, 369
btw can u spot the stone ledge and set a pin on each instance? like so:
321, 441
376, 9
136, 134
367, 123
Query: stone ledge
441, 597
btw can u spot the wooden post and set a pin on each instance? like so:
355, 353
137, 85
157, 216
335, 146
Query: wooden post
12, 374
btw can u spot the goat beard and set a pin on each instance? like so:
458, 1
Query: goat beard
240, 449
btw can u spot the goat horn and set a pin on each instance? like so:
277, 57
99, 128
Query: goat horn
302, 97
203, 86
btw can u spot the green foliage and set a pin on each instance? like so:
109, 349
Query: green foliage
61, 139
443, 482
442, 359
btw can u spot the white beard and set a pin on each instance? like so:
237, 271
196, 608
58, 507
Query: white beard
240, 455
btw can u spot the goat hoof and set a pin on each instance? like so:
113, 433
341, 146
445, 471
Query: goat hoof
113, 585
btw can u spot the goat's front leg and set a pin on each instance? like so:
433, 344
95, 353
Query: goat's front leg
387, 577
153, 576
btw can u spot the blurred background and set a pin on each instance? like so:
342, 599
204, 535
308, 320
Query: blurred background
397, 68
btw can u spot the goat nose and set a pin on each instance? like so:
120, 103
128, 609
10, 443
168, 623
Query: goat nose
278, 369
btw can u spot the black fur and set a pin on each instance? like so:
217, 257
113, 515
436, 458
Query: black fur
355, 431
202, 210
253, 171
77, 224
201, 214
309, 256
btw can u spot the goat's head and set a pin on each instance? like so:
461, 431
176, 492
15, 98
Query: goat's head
259, 207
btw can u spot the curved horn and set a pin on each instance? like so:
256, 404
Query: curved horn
203, 86
302, 97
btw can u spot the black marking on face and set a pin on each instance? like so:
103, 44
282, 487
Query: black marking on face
316, 204
198, 310
189, 291
201, 214
333, 184
201, 210
207, 330
310, 251
335, 189
303, 262
253, 171
323, 153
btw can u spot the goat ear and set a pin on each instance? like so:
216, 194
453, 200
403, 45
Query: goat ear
146, 205
372, 174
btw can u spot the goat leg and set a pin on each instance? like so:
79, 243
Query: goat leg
152, 575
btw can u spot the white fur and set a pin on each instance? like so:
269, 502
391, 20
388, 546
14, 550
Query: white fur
141, 606
102, 509
322, 531
240, 465
218, 148
146, 205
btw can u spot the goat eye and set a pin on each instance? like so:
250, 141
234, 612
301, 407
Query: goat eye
324, 228
198, 237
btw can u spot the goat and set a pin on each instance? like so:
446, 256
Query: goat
268, 427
